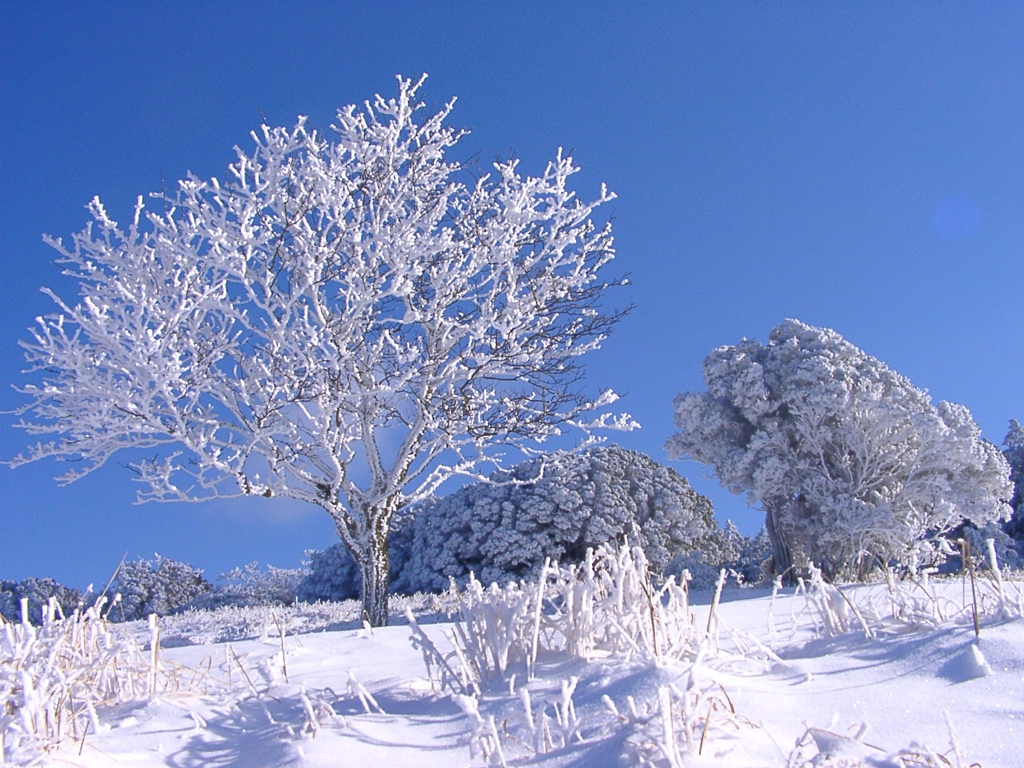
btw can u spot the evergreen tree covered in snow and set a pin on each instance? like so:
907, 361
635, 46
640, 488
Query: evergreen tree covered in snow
159, 587
348, 321
557, 507
852, 464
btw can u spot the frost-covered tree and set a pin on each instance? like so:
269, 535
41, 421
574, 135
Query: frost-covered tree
852, 464
334, 575
743, 558
1013, 450
755, 554
161, 587
251, 586
346, 320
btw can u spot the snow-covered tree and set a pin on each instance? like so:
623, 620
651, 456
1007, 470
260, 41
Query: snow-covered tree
334, 575
1013, 450
161, 587
852, 464
755, 555
557, 507
349, 321
744, 558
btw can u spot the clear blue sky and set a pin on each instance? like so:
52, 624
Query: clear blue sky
854, 165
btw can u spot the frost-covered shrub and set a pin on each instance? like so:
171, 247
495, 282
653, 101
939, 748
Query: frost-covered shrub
1006, 548
158, 587
557, 507
754, 563
1007, 555
38, 592
333, 575
251, 586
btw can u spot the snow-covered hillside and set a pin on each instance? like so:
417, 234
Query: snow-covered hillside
878, 675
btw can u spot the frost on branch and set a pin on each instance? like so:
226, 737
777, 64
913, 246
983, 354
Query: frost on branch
852, 464
348, 320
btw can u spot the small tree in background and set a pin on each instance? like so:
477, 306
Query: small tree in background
852, 464
1014, 452
161, 587
347, 322
250, 586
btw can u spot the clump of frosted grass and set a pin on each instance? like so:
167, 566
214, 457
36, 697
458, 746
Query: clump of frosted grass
231, 623
824, 748
603, 609
605, 606
915, 601
54, 677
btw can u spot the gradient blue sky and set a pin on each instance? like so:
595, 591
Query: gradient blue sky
854, 165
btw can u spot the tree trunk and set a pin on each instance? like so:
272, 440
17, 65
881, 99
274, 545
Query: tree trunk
373, 568
781, 550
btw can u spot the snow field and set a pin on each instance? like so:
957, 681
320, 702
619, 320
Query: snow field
595, 669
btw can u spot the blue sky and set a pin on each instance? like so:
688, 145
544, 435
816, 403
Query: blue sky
856, 166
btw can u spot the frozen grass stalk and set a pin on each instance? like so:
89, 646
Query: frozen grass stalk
53, 677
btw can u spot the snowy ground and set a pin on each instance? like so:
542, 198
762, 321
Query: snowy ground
774, 685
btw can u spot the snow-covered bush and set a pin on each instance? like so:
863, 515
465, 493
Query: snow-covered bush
159, 587
1006, 548
38, 592
333, 575
753, 564
251, 586
556, 507
852, 464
